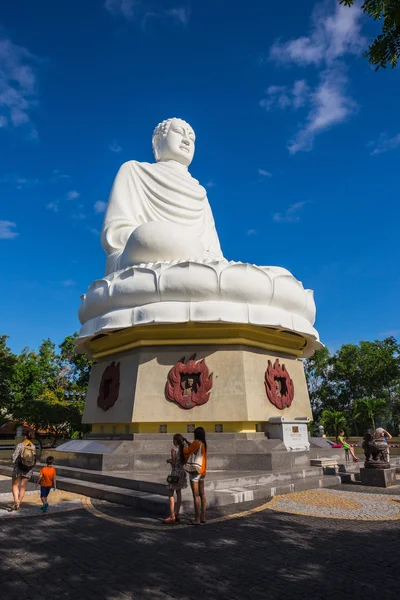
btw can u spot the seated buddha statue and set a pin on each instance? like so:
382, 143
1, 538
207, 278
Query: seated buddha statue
157, 212
164, 259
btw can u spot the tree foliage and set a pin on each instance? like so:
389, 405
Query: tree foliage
333, 422
360, 382
7, 365
37, 387
385, 49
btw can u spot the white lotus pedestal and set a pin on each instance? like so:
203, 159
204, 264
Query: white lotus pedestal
211, 343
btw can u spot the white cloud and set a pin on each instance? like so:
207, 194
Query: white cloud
24, 182
332, 35
264, 173
79, 216
329, 105
132, 10
181, 14
72, 195
18, 92
95, 231
54, 206
210, 184
282, 96
58, 176
124, 8
69, 283
115, 147
384, 144
335, 32
291, 213
100, 207
6, 232
251, 232
276, 95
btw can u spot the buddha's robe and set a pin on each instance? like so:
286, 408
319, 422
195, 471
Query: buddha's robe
161, 192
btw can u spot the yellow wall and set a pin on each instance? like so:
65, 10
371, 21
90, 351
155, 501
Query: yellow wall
126, 428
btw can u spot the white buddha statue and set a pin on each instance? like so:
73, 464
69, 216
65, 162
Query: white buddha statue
157, 212
164, 260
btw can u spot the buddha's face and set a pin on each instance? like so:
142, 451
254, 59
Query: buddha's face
177, 145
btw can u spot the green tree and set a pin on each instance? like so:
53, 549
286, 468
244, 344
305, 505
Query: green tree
371, 408
75, 367
321, 391
7, 365
385, 49
40, 388
365, 370
333, 421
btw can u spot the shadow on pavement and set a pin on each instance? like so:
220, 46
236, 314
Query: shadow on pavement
265, 555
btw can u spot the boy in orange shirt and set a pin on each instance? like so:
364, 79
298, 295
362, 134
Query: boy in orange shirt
47, 480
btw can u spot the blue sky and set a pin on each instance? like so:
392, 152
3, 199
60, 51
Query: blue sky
298, 142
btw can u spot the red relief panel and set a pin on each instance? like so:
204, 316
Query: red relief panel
189, 384
278, 385
109, 387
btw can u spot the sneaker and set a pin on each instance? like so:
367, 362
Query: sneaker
45, 507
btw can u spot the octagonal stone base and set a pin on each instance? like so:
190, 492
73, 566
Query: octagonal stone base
237, 402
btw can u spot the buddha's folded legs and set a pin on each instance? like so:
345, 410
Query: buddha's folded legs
161, 241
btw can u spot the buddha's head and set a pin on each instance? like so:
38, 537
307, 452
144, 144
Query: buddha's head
174, 139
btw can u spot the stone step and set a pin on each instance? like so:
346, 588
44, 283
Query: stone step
116, 460
158, 504
154, 482
228, 491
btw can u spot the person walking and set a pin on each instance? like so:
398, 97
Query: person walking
177, 480
24, 459
47, 480
196, 465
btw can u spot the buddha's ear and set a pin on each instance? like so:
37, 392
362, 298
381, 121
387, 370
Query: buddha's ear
156, 146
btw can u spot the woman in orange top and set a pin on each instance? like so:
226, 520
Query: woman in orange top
197, 479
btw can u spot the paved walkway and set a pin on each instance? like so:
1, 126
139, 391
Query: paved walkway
105, 552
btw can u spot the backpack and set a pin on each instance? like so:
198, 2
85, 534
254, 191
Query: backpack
27, 458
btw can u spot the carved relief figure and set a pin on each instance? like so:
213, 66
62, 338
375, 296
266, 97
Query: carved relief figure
278, 385
109, 386
189, 384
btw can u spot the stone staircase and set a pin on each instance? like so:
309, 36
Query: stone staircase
148, 490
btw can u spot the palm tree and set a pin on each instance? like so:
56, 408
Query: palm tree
371, 408
333, 421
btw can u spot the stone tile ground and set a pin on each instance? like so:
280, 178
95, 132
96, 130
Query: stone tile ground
265, 555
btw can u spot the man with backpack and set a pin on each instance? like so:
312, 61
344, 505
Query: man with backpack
24, 459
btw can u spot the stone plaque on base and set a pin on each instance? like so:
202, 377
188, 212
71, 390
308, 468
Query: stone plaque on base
294, 432
378, 477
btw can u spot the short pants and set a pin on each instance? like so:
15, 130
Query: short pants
196, 477
44, 491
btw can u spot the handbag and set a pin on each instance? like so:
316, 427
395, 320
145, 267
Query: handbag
195, 461
174, 479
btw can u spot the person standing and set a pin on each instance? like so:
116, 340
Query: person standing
177, 480
196, 460
382, 435
47, 480
24, 459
